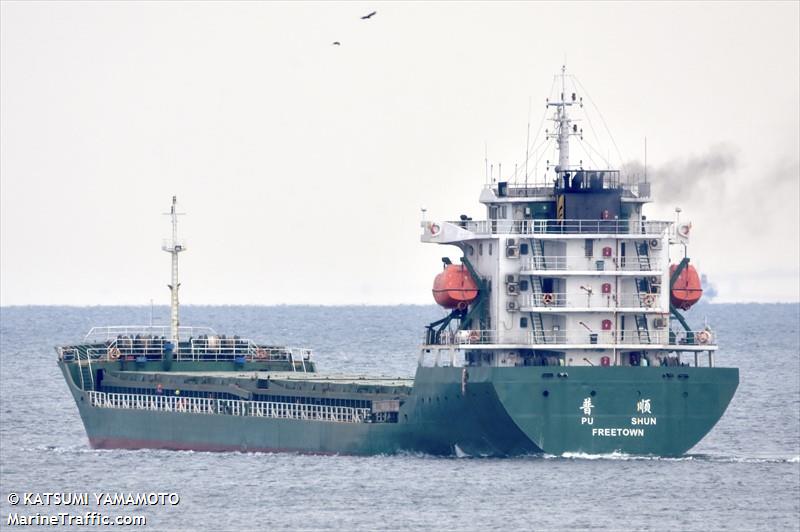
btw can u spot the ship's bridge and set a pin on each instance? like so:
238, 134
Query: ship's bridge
632, 188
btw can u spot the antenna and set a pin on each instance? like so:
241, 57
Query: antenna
528, 142
486, 161
173, 248
645, 159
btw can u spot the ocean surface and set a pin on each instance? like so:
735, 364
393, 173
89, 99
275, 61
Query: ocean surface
744, 476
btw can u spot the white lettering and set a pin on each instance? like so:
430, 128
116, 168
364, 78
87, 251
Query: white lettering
617, 432
643, 406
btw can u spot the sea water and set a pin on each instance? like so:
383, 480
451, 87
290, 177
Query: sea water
745, 475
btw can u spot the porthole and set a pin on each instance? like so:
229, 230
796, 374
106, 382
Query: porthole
685, 394
545, 393
593, 393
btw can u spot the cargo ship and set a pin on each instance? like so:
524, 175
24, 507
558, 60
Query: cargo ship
562, 333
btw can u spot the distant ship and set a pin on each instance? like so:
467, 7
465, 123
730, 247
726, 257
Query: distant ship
564, 334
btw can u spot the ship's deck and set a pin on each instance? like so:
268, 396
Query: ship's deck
337, 378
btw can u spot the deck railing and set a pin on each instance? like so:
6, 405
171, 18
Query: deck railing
233, 407
645, 228
559, 263
211, 348
661, 337
597, 300
100, 334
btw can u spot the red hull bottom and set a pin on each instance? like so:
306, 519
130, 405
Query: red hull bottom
135, 444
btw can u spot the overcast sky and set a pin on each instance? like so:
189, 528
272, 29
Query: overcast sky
302, 165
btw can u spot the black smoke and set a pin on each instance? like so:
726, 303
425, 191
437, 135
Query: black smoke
694, 175
709, 290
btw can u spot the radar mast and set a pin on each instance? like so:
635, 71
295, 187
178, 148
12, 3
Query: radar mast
563, 122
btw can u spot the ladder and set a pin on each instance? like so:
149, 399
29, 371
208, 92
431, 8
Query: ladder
641, 328
86, 377
643, 255
642, 288
537, 249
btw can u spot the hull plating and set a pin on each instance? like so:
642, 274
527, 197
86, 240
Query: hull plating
482, 411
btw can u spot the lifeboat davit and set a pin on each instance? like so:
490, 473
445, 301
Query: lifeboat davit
454, 287
687, 289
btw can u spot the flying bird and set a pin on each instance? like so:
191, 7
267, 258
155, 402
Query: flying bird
336, 43
366, 17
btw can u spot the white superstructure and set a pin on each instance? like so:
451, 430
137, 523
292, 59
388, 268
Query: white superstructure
571, 272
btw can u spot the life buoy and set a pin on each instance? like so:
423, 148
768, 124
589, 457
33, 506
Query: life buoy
649, 300
474, 336
703, 337
113, 352
548, 298
261, 353
684, 229
435, 229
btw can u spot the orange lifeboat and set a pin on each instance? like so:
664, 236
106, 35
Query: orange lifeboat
454, 287
687, 289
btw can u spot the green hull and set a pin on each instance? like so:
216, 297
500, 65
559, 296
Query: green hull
483, 411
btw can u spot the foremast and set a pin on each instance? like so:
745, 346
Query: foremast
173, 247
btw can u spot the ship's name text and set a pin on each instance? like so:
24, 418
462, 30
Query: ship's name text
618, 432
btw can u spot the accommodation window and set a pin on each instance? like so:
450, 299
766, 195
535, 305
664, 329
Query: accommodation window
490, 249
523, 285
480, 249
523, 249
523, 322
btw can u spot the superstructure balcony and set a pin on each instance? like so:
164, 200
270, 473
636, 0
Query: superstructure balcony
590, 302
664, 339
560, 265
450, 231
